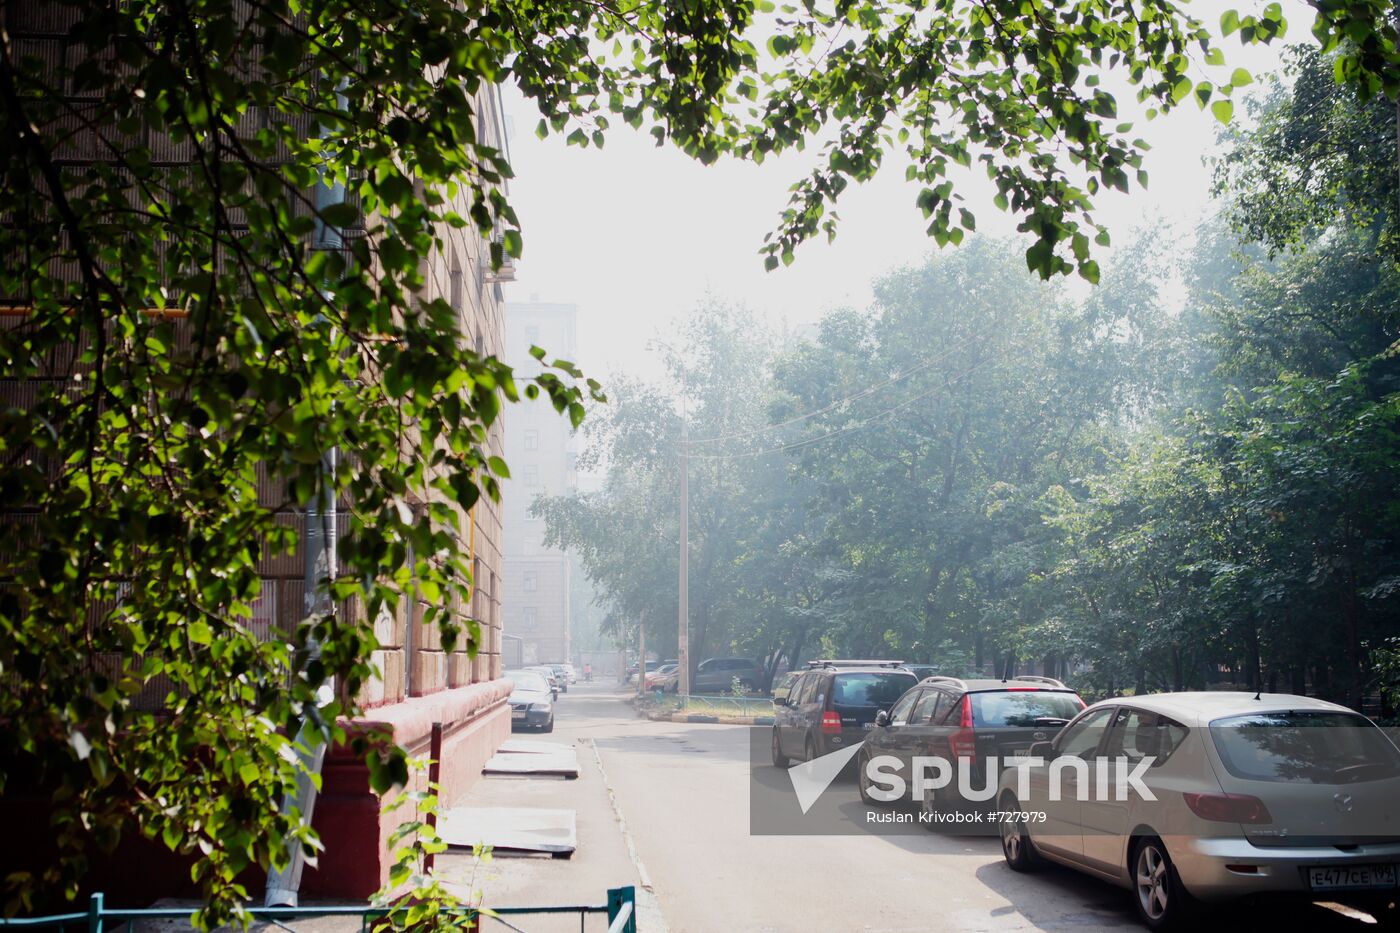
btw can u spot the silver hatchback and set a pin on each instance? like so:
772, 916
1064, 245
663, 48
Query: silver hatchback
1251, 795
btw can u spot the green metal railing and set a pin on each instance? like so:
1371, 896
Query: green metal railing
620, 909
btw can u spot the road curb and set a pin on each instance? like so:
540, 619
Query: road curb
669, 716
647, 903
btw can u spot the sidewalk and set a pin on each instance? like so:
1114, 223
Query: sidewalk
602, 860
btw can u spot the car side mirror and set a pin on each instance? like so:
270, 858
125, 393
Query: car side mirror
882, 718
780, 701
1044, 750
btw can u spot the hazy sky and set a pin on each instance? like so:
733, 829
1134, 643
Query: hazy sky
636, 235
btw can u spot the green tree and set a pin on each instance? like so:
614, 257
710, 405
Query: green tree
175, 158
627, 534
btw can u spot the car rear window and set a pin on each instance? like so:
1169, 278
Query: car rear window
1305, 747
1023, 707
871, 689
528, 680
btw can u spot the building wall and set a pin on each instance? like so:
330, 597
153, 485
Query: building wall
541, 450
421, 684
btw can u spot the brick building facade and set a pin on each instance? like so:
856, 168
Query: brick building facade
421, 684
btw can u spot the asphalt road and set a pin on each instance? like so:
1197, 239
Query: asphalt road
684, 789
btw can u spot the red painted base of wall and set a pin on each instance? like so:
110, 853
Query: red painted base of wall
355, 831
350, 819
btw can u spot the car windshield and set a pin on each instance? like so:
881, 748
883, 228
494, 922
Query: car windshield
871, 689
527, 680
1022, 708
1305, 747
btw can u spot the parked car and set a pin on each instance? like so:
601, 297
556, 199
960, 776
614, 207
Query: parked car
561, 676
662, 673
547, 672
717, 675
1268, 795
633, 668
531, 701
782, 687
973, 719
831, 707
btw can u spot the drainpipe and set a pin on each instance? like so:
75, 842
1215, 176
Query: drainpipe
319, 549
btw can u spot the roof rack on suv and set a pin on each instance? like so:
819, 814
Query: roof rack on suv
852, 662
945, 679
1036, 679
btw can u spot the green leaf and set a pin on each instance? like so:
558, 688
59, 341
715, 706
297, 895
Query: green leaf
341, 215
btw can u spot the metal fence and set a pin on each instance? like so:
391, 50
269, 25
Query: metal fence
732, 705
620, 909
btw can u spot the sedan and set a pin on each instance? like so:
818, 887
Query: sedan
547, 672
531, 701
1191, 798
662, 676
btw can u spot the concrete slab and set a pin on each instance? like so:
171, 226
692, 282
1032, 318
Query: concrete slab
560, 762
535, 747
510, 829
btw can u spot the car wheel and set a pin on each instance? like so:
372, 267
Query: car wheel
549, 726
1016, 845
863, 780
779, 759
930, 809
1158, 896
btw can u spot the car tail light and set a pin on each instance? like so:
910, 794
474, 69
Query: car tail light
1228, 808
963, 743
831, 722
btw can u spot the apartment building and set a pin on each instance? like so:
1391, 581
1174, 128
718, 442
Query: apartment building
541, 451
421, 684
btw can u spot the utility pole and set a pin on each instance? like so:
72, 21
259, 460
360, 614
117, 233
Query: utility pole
642, 654
683, 652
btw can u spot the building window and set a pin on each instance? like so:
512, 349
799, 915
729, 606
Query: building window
532, 440
529, 618
532, 581
532, 335
532, 475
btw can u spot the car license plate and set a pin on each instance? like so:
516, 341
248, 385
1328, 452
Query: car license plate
517, 714
1341, 877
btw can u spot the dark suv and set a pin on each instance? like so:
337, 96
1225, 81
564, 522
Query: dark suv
832, 706
717, 675
975, 719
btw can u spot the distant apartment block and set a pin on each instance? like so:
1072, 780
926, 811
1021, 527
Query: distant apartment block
540, 448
